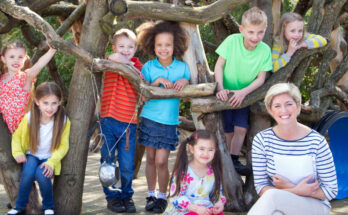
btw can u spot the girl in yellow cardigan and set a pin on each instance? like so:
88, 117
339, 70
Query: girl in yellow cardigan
291, 36
40, 143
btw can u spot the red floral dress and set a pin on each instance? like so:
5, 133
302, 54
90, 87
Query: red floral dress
13, 100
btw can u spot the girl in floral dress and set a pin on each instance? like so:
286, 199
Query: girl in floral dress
198, 189
16, 78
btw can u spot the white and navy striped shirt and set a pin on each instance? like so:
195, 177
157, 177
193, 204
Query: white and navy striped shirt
267, 143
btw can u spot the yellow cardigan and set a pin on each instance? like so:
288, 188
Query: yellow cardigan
20, 144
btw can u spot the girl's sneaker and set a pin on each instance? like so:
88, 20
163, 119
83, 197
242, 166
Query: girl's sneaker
160, 206
15, 212
49, 212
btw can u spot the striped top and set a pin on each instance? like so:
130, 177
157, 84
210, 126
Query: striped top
280, 58
119, 99
267, 144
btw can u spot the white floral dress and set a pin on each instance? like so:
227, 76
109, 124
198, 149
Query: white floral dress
195, 190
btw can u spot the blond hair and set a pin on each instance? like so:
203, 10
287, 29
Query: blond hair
254, 16
284, 21
124, 32
283, 88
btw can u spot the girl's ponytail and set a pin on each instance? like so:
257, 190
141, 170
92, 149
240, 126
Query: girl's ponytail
180, 166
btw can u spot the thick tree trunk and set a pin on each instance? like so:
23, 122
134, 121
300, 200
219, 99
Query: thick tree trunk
69, 185
200, 74
10, 172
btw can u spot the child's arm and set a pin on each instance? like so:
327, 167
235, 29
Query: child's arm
182, 82
221, 94
180, 201
279, 58
219, 205
58, 154
16, 146
201, 210
239, 95
37, 67
314, 41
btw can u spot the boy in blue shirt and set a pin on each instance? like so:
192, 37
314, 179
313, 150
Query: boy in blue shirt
240, 69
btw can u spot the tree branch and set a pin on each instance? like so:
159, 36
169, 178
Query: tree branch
59, 10
303, 6
212, 104
196, 15
330, 17
75, 15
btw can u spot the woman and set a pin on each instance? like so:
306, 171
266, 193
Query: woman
294, 172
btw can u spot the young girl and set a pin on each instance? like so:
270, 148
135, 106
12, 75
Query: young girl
198, 189
167, 41
291, 36
16, 78
40, 142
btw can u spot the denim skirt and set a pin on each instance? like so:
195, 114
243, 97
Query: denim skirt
158, 135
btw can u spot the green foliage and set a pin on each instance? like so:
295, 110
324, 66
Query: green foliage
207, 34
307, 83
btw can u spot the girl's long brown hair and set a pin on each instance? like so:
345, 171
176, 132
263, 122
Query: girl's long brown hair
46, 89
14, 45
181, 164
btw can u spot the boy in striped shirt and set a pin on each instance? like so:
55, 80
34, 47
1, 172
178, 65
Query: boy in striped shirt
119, 114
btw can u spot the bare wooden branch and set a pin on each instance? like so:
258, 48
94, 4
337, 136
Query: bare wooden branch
321, 76
75, 15
330, 17
39, 5
303, 6
63, 10
196, 15
316, 16
212, 104
335, 76
29, 35
209, 47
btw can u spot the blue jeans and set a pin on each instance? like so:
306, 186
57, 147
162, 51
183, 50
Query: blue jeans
31, 171
113, 129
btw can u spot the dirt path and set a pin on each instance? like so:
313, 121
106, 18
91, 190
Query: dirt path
94, 201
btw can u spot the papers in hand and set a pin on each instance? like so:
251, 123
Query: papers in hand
294, 168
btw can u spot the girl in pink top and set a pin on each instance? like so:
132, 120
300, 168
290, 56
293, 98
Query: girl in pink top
16, 78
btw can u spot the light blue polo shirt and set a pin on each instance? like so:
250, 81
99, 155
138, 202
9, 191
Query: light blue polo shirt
165, 111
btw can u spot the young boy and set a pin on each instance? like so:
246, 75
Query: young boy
240, 69
118, 109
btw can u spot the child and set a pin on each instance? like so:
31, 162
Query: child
291, 37
16, 78
118, 112
241, 68
40, 143
157, 131
198, 190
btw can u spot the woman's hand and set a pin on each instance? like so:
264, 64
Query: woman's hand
305, 188
21, 159
180, 84
47, 172
282, 183
218, 208
201, 210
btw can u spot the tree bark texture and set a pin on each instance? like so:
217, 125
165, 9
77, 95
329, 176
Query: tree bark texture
10, 172
68, 187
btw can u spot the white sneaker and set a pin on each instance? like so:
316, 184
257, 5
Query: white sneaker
49, 212
14, 211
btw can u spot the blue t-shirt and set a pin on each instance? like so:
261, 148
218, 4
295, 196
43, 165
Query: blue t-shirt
165, 111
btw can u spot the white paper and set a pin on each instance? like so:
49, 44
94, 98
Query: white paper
294, 168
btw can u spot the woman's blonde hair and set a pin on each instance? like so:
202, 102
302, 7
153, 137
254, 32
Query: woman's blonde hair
284, 21
283, 88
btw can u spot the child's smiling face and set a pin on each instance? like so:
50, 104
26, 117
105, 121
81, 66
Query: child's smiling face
294, 30
253, 34
14, 59
203, 151
125, 46
164, 48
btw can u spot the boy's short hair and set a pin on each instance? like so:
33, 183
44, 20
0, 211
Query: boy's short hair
254, 16
124, 32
